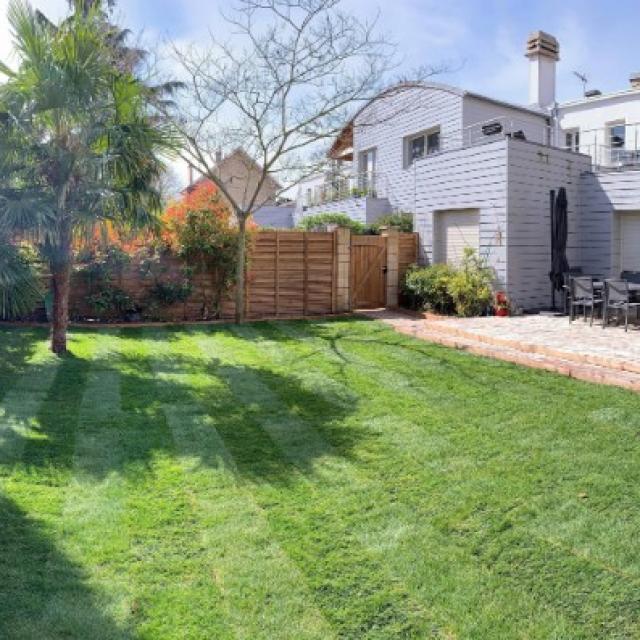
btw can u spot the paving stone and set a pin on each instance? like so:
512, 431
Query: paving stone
608, 356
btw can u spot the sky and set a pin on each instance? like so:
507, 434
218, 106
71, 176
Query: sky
480, 42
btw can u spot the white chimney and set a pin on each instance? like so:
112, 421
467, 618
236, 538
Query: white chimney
543, 52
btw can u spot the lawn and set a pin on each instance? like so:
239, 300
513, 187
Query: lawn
301, 480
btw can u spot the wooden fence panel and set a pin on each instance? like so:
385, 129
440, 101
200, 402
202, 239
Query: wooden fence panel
291, 273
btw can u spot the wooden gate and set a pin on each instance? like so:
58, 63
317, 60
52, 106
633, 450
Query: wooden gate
368, 272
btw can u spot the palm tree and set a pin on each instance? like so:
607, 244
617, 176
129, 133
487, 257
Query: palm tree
79, 143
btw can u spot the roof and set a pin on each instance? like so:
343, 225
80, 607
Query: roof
276, 217
247, 159
342, 139
600, 98
437, 86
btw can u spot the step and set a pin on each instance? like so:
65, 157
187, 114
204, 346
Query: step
615, 363
588, 372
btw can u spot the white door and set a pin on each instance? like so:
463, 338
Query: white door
630, 242
454, 231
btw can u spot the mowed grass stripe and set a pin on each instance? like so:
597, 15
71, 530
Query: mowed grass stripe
17, 349
22, 401
45, 593
172, 593
475, 482
263, 593
313, 517
93, 513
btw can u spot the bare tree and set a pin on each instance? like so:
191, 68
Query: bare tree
287, 80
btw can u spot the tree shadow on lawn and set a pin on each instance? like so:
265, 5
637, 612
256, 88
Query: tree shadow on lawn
43, 594
242, 404
16, 347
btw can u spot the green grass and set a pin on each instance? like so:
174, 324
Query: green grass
303, 480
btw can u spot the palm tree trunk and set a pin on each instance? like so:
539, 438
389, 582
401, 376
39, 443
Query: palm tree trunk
61, 285
240, 267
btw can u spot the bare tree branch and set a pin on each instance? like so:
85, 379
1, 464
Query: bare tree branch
289, 79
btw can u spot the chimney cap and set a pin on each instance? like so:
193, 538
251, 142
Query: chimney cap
634, 79
541, 43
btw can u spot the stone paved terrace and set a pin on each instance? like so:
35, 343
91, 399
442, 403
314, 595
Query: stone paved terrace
577, 350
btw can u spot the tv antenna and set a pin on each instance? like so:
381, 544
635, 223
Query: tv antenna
583, 78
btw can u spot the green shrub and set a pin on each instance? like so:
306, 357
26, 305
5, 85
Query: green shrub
403, 222
465, 290
429, 287
471, 285
320, 221
111, 303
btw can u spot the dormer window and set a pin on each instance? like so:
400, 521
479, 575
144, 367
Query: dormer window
421, 145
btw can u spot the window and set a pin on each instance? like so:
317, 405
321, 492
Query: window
368, 161
422, 145
416, 149
433, 142
617, 135
367, 178
572, 140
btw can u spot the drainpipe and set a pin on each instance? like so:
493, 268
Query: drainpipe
554, 129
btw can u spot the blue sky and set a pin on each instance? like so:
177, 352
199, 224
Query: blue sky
482, 41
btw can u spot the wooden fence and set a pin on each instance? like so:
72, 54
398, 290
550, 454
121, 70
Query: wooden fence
290, 274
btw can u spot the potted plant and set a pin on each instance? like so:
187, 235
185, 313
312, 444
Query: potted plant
501, 304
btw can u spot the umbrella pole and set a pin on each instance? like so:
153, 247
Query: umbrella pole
552, 198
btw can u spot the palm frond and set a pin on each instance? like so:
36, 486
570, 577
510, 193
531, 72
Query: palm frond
20, 283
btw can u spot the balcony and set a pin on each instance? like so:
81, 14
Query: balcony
614, 148
342, 187
360, 196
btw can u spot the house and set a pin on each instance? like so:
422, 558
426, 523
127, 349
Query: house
476, 171
240, 174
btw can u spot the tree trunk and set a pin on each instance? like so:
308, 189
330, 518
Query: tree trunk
61, 285
240, 267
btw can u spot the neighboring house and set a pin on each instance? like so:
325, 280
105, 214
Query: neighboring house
240, 174
478, 172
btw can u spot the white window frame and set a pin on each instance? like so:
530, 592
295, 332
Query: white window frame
408, 141
610, 126
573, 136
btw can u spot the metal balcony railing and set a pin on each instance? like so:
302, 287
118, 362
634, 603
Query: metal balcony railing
342, 187
616, 147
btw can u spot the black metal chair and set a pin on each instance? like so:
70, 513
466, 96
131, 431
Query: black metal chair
583, 295
566, 287
618, 298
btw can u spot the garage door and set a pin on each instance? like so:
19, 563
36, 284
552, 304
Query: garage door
455, 230
630, 242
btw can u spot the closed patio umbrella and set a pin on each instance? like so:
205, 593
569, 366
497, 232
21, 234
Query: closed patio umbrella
559, 236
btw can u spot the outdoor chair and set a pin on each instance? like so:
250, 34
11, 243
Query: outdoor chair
583, 295
618, 298
566, 287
